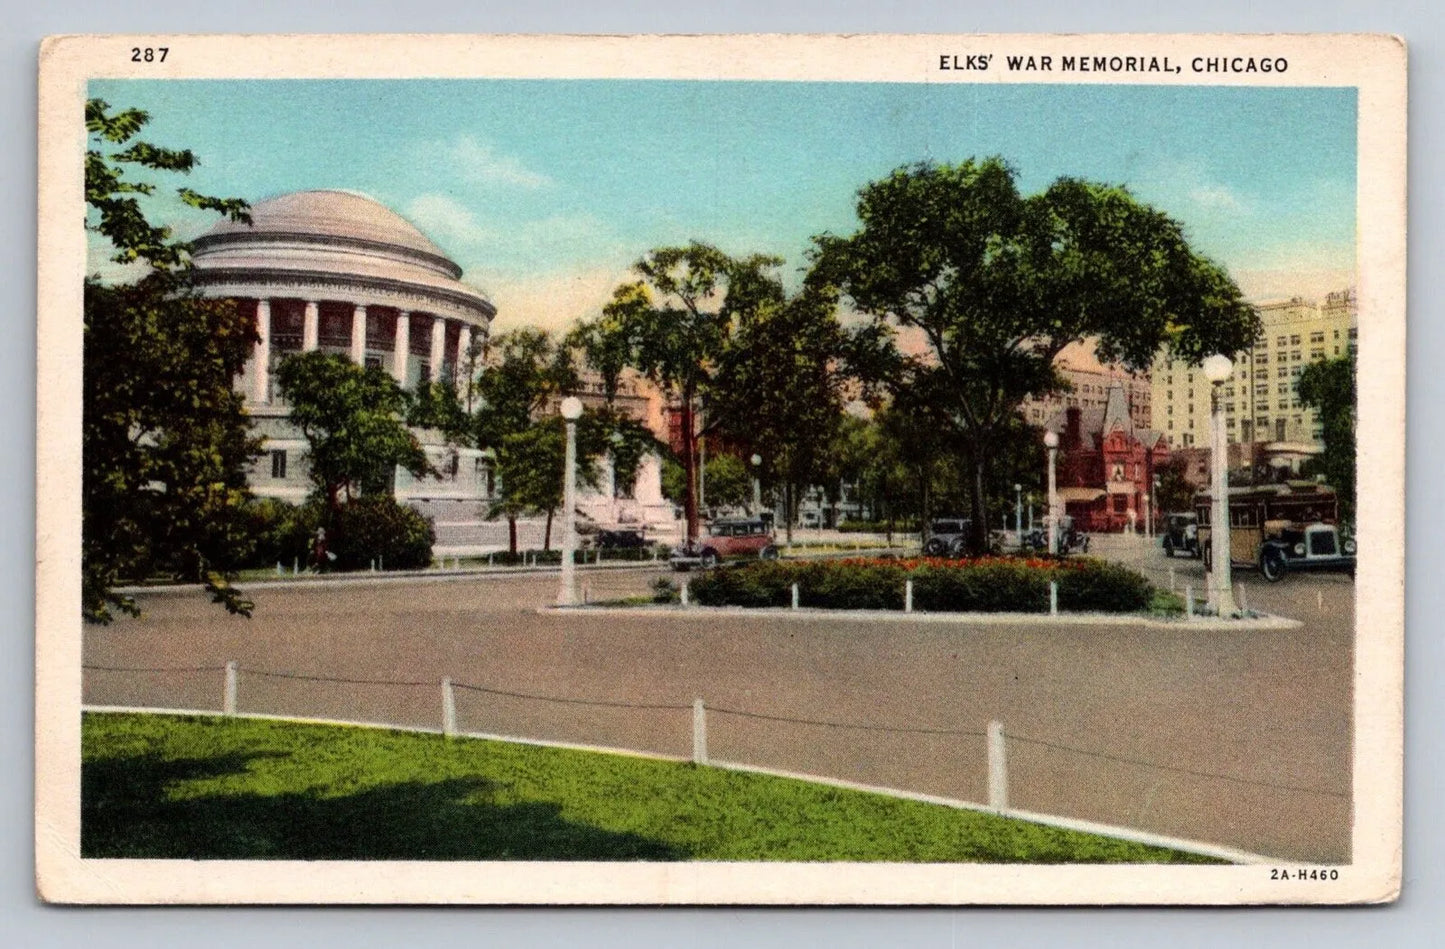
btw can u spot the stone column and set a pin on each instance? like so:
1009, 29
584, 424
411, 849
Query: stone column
311, 327
401, 347
438, 347
464, 343
358, 335
261, 355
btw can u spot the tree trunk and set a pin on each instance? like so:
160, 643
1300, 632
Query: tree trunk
512, 534
788, 507
689, 468
925, 504
978, 532
547, 534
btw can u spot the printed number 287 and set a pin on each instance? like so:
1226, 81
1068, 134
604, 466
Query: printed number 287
149, 54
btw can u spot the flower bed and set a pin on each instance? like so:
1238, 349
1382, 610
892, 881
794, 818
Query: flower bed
981, 585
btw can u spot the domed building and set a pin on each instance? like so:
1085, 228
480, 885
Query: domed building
342, 273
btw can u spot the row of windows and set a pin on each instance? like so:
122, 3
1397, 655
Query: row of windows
452, 467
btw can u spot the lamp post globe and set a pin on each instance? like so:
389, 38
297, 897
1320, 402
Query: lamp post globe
571, 409
1051, 442
1217, 369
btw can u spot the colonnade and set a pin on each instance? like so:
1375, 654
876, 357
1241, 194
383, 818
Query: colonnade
259, 388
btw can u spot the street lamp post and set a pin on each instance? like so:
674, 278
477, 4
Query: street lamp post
567, 594
1217, 369
757, 461
1019, 513
1051, 442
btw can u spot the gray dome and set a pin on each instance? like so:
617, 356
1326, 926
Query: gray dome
350, 243
339, 215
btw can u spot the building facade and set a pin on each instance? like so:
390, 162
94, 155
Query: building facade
1106, 463
1090, 384
1261, 402
339, 272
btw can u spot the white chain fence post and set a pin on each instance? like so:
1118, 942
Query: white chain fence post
997, 767
449, 709
228, 699
795, 596
699, 732
1053, 598
908, 595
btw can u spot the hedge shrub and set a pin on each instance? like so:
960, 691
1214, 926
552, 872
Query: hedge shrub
985, 585
377, 528
280, 532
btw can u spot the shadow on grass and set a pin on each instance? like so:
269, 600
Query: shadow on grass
126, 811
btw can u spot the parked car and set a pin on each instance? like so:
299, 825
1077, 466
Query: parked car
1070, 538
1181, 534
723, 540
947, 536
620, 538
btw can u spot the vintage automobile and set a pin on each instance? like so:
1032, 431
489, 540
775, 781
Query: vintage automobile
731, 539
1181, 534
1070, 537
619, 538
947, 536
1281, 527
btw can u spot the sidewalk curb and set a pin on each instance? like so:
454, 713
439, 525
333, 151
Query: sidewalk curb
366, 577
1263, 623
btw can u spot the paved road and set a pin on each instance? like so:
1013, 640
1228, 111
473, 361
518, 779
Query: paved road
1269, 711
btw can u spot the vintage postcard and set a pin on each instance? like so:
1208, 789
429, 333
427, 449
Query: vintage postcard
733, 469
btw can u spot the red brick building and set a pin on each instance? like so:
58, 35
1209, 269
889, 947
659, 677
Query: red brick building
1106, 463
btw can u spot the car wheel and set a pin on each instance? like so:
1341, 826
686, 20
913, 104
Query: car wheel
1272, 565
709, 558
958, 548
1168, 548
768, 553
935, 547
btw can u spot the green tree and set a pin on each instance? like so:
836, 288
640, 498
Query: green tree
729, 483
526, 370
165, 441
438, 406
972, 290
532, 464
1328, 387
675, 325
1175, 493
353, 420
779, 389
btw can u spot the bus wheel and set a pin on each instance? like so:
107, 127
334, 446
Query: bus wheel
1272, 565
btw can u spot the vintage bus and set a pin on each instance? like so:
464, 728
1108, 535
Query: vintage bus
1280, 527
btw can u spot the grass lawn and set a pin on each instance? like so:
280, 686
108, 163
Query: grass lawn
211, 788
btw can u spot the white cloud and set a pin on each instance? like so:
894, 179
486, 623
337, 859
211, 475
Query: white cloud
1216, 197
471, 160
448, 221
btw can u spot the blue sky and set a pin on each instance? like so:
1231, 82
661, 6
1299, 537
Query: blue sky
545, 191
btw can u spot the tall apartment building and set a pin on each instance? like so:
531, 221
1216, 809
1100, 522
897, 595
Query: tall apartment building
1091, 382
1261, 402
